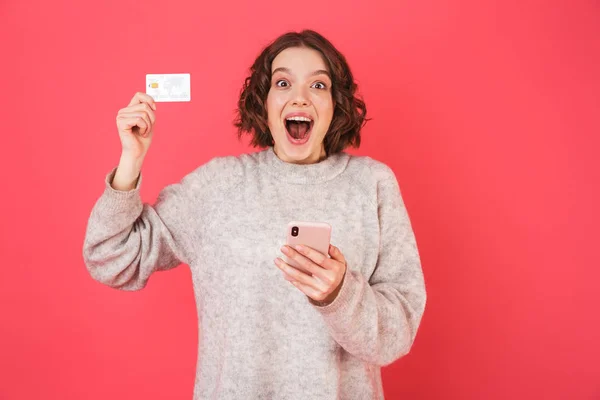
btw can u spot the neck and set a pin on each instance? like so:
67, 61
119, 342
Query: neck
310, 173
312, 159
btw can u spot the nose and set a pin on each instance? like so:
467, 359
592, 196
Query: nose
300, 98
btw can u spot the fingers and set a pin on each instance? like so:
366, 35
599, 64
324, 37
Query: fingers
294, 275
327, 273
318, 266
131, 120
316, 256
140, 97
143, 107
304, 262
321, 259
315, 294
141, 123
140, 110
140, 114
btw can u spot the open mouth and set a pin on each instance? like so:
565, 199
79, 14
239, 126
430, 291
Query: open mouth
299, 127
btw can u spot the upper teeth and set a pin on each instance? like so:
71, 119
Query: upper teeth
298, 118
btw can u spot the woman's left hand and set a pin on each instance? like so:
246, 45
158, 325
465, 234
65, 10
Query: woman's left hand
328, 273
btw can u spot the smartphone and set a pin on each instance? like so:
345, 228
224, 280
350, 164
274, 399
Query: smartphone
316, 235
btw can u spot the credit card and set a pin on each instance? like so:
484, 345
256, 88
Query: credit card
168, 87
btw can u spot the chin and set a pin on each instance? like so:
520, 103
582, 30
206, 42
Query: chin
295, 153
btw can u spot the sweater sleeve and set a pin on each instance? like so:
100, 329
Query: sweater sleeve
377, 320
127, 240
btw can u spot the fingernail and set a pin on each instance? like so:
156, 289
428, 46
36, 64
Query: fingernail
285, 250
299, 247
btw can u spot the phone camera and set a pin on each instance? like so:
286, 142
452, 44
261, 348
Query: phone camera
295, 231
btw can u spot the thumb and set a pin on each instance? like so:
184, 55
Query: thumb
336, 254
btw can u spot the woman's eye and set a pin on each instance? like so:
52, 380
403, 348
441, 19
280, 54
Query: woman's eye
319, 85
281, 83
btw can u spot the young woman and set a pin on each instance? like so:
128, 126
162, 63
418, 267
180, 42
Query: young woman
325, 335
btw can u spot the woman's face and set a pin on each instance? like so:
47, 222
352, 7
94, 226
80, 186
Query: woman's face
299, 105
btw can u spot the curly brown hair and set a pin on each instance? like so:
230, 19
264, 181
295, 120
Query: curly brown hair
349, 114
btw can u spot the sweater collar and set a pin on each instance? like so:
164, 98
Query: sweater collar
322, 171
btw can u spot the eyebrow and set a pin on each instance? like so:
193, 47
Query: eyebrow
288, 71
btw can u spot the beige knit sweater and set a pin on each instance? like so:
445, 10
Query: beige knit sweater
259, 336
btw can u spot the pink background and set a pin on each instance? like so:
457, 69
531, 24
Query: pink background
486, 111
